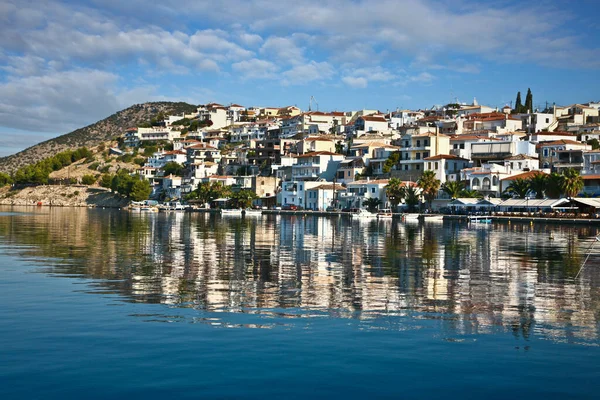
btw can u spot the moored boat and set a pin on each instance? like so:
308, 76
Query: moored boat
410, 217
386, 213
231, 211
362, 213
249, 212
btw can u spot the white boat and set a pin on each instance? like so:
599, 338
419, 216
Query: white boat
410, 217
432, 217
172, 206
480, 220
231, 211
362, 213
385, 214
249, 212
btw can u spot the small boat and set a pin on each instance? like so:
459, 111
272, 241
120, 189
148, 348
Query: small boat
362, 213
480, 220
172, 206
249, 212
410, 217
432, 217
231, 211
386, 213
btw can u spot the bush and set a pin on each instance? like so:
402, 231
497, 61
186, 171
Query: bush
139, 161
94, 166
88, 179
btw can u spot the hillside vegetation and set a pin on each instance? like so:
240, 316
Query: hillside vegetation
95, 134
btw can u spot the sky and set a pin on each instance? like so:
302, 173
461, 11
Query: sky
67, 64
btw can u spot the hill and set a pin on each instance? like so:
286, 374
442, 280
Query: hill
92, 135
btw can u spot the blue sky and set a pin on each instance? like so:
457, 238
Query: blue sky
66, 64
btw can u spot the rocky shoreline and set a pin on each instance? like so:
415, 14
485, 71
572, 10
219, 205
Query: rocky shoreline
61, 196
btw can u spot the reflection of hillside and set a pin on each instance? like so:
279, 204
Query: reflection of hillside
509, 275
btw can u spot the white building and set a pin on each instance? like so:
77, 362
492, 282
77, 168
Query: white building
317, 165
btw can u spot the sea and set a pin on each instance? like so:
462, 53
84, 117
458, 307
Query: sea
107, 304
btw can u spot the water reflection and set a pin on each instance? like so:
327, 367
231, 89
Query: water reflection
519, 277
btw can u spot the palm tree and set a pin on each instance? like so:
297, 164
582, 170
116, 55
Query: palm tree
519, 188
429, 185
572, 182
471, 194
554, 186
395, 191
538, 184
453, 188
372, 203
412, 198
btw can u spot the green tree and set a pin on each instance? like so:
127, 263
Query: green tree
528, 108
594, 143
518, 105
140, 189
174, 168
453, 188
518, 188
538, 184
395, 191
412, 198
244, 198
572, 182
88, 179
470, 194
392, 160
372, 204
554, 186
106, 180
5, 179
429, 185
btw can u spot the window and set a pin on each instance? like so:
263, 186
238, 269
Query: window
495, 180
417, 167
372, 190
547, 120
426, 142
475, 182
545, 152
418, 143
418, 156
429, 165
300, 187
436, 165
486, 183
462, 146
406, 167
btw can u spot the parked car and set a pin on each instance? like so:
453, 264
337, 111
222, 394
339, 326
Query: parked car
291, 207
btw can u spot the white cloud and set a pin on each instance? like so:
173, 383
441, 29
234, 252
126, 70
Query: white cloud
357, 82
283, 50
250, 39
360, 77
58, 101
255, 69
423, 77
305, 73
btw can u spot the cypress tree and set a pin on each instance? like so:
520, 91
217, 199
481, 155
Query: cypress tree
529, 101
518, 104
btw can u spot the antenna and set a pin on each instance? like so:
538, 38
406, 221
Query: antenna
310, 101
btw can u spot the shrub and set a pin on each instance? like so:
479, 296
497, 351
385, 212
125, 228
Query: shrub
88, 179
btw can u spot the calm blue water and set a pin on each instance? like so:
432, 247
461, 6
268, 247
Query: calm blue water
109, 304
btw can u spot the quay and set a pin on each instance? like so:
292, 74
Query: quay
446, 217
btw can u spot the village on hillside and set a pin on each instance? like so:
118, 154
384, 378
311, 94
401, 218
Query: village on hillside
314, 160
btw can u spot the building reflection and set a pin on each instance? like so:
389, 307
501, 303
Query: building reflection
474, 279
